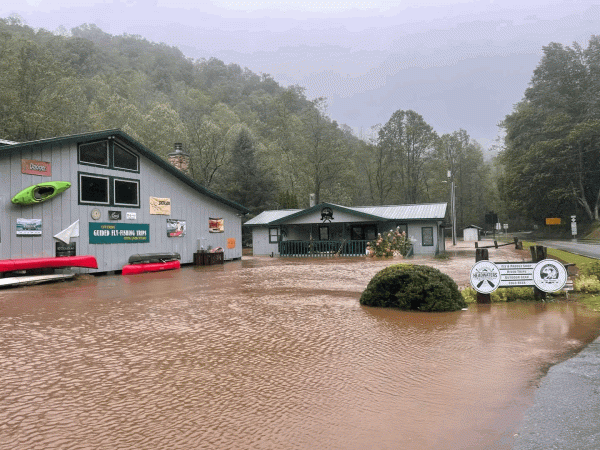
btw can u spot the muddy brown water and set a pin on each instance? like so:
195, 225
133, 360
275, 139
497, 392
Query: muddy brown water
267, 354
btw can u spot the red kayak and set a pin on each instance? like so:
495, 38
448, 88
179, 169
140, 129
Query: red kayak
10, 265
133, 269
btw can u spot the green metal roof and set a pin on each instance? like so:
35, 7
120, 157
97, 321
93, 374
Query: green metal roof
429, 211
144, 151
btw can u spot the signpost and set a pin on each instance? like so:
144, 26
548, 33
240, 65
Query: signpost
547, 275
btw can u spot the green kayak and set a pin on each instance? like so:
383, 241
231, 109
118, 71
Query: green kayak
40, 192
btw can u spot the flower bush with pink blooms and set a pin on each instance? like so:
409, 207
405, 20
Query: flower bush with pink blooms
392, 243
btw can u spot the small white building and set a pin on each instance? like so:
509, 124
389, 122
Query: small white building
329, 228
471, 233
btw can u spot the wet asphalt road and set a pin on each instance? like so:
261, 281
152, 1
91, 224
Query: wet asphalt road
566, 412
590, 249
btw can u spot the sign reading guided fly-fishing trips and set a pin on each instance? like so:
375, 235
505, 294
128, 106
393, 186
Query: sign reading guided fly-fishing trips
547, 275
119, 233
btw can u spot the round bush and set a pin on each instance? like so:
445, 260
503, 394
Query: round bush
413, 287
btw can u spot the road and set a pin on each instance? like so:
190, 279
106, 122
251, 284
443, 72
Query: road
590, 249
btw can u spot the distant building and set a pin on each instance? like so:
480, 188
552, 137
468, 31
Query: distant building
471, 233
127, 200
328, 228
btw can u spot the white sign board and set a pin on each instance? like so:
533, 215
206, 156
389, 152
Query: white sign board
547, 275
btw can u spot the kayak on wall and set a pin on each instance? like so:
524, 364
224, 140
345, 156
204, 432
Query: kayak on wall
40, 192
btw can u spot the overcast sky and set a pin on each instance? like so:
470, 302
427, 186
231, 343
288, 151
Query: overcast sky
459, 63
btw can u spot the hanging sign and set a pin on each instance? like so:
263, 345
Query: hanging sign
119, 233
160, 206
548, 275
32, 167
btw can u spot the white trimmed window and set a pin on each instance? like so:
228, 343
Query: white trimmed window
94, 189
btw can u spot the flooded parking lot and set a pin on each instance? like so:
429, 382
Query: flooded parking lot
267, 353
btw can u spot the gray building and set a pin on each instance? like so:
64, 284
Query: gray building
123, 198
328, 228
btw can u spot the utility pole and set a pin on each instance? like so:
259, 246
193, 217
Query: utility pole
452, 206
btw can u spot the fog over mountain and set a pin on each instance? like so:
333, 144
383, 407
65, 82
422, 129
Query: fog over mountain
460, 64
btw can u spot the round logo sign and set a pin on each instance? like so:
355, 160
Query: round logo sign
485, 277
549, 275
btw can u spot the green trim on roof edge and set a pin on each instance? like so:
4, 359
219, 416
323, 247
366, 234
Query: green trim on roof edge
139, 147
321, 206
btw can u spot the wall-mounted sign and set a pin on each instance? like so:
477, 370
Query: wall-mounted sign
29, 227
114, 215
175, 228
160, 206
63, 249
230, 242
216, 225
119, 233
32, 167
96, 214
327, 214
547, 275
130, 216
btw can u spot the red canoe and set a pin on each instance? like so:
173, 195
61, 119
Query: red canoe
10, 265
133, 269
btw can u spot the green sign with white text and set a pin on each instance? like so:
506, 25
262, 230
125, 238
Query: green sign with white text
119, 233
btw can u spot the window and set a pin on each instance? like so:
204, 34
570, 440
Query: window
324, 233
356, 233
93, 189
109, 154
97, 189
273, 235
95, 153
123, 159
427, 236
371, 233
126, 192
402, 227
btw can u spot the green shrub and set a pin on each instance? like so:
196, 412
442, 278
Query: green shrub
590, 269
413, 287
521, 294
586, 283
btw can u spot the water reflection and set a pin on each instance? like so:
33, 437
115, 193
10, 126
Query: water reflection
266, 353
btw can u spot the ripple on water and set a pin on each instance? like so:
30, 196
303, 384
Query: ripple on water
278, 355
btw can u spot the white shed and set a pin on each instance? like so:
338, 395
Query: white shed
471, 233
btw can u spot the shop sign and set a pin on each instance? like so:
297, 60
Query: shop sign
63, 249
119, 233
547, 275
32, 167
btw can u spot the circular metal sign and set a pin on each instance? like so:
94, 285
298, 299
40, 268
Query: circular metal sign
96, 214
549, 275
485, 277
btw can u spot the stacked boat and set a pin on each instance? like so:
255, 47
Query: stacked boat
151, 262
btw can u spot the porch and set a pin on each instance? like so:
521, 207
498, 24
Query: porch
298, 248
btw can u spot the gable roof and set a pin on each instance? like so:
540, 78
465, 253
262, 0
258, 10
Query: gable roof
430, 211
144, 151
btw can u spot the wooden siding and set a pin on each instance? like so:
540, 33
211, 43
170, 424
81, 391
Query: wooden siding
61, 211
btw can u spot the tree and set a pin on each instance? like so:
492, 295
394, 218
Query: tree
405, 142
551, 143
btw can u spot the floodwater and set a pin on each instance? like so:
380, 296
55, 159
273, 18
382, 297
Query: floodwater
267, 354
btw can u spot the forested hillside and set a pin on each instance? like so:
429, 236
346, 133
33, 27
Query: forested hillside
250, 139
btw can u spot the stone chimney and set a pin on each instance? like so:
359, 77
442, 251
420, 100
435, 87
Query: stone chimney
180, 159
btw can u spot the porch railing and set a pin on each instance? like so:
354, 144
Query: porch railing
322, 248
